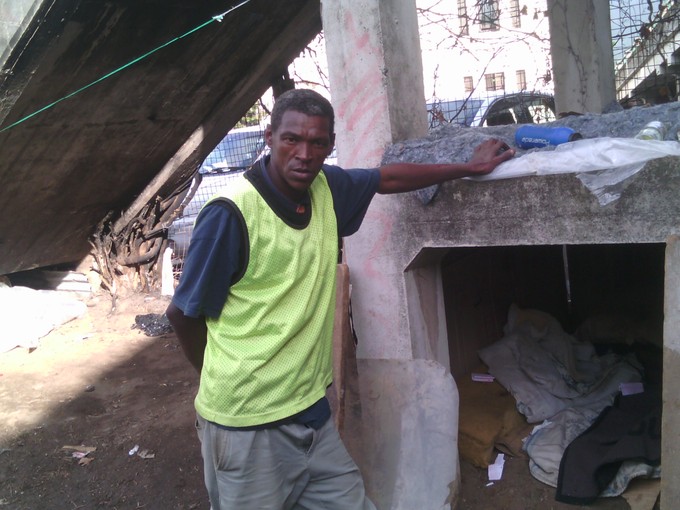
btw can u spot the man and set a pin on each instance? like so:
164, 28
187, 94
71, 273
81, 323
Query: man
254, 312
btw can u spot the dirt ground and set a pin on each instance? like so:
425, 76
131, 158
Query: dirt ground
99, 383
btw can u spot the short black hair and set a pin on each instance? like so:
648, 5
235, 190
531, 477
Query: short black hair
304, 101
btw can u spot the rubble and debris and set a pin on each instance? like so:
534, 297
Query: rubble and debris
81, 448
146, 454
605, 159
496, 469
50, 279
153, 324
82, 453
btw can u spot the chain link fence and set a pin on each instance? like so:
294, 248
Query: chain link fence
646, 50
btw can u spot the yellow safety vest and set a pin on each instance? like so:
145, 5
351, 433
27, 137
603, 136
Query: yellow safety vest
269, 352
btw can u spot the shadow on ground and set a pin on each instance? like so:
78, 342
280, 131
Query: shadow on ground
98, 383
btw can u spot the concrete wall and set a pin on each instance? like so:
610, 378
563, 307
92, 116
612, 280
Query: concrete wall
93, 153
399, 230
407, 450
412, 465
395, 260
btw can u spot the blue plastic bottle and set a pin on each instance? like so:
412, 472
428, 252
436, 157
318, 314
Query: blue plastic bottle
530, 136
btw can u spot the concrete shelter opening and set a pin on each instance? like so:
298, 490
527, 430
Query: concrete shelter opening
573, 283
458, 299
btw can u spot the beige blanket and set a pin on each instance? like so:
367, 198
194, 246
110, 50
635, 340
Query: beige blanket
488, 421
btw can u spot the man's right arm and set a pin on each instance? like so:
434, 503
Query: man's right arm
212, 263
192, 334
403, 177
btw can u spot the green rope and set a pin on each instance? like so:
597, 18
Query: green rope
217, 18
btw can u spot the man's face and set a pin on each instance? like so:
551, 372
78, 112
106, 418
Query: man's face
298, 149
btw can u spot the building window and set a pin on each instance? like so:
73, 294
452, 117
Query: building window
463, 20
521, 79
467, 80
515, 14
488, 14
495, 81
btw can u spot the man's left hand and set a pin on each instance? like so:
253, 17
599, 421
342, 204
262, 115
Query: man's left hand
488, 155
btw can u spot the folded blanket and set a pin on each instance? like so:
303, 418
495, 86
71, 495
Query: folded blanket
488, 421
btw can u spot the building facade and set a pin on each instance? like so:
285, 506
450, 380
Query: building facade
481, 48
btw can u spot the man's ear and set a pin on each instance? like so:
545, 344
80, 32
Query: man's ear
332, 145
268, 134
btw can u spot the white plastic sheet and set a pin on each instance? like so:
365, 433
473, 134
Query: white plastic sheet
603, 164
27, 314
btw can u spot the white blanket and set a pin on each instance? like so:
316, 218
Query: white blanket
561, 382
547, 370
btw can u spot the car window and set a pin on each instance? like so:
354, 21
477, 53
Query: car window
519, 109
236, 151
500, 117
541, 113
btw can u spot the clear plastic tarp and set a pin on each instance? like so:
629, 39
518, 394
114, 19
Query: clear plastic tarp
604, 165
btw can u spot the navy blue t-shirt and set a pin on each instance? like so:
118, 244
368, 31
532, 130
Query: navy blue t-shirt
215, 257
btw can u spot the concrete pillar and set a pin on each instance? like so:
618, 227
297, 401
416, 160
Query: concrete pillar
670, 426
405, 437
376, 76
583, 63
375, 70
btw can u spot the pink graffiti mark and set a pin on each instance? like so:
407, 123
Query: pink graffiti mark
365, 102
361, 39
365, 94
362, 119
374, 155
362, 111
387, 325
358, 153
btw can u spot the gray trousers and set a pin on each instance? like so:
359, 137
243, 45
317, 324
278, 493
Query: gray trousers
290, 467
